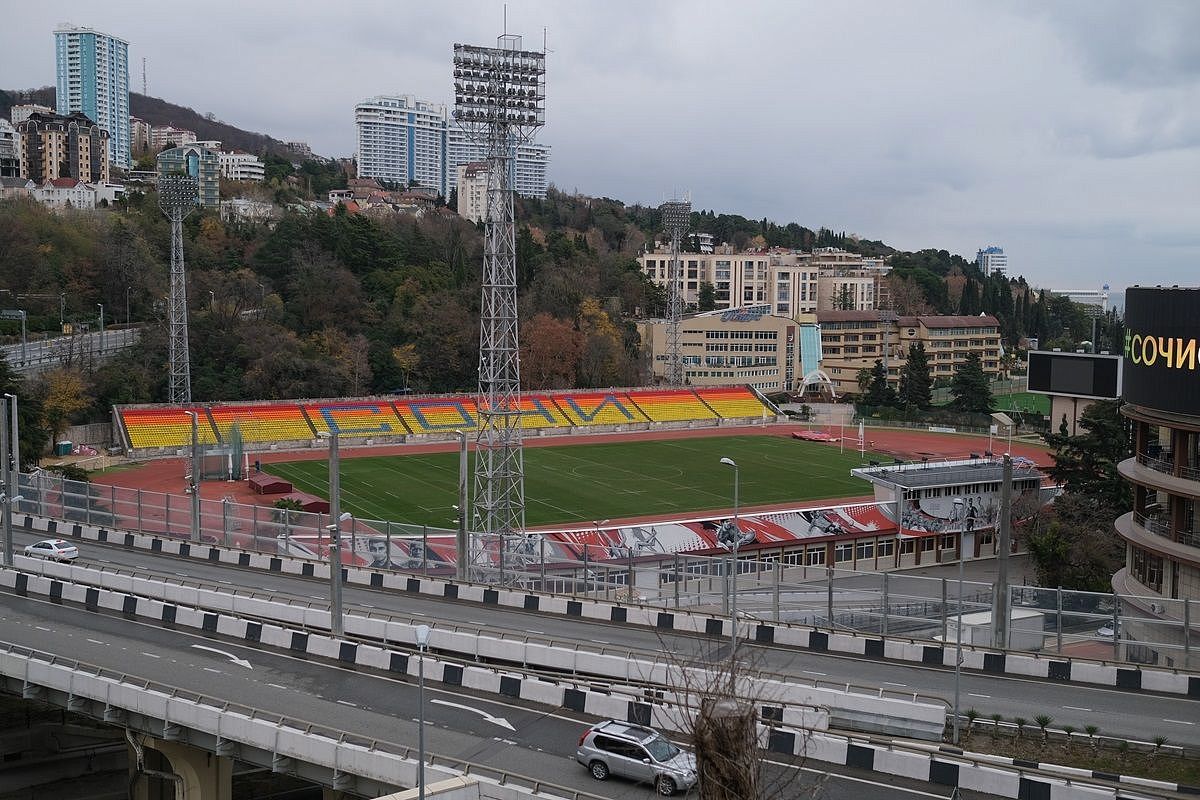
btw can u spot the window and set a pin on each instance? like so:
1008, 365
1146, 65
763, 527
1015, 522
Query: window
927, 544
814, 556
865, 550
843, 552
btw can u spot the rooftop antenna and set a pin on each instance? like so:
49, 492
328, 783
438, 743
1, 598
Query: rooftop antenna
145, 91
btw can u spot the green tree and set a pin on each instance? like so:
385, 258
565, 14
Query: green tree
1086, 464
970, 388
843, 299
707, 300
879, 392
915, 381
33, 434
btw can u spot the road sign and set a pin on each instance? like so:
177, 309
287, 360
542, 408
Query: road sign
11, 313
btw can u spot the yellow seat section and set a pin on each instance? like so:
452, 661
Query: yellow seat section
599, 408
733, 402
356, 418
262, 423
539, 411
439, 415
165, 427
671, 406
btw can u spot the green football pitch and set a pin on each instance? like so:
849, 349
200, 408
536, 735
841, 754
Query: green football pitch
1023, 401
580, 483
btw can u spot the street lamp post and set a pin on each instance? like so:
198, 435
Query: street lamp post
127, 288
9, 489
462, 544
737, 535
101, 307
193, 487
335, 539
958, 657
212, 300
24, 355
422, 633
62, 311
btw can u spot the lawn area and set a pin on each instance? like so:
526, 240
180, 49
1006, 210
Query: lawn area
581, 483
1023, 401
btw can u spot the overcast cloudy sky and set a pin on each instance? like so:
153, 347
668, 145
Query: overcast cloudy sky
1066, 132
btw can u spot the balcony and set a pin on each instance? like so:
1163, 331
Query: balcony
1163, 461
1158, 535
1157, 473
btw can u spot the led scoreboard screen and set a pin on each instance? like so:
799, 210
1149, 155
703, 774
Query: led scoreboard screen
1075, 374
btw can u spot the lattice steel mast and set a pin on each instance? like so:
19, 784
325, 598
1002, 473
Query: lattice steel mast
177, 195
499, 98
676, 217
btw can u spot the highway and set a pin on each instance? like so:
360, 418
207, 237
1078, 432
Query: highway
1136, 715
540, 743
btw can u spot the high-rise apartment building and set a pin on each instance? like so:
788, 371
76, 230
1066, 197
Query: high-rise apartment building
472, 191
414, 142
10, 151
53, 146
991, 260
202, 164
93, 79
22, 112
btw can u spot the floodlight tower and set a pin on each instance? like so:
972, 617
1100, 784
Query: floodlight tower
177, 196
499, 100
676, 217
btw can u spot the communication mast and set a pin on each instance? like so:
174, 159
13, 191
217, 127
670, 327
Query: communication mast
177, 196
499, 100
676, 218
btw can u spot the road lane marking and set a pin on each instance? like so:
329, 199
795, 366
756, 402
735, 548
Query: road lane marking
210, 669
347, 703
539, 633
96, 641
277, 686
1077, 708
47, 630
1179, 722
810, 672
151, 655
890, 683
984, 696
501, 721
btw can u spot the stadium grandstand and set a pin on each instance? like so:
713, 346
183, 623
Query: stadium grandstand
149, 431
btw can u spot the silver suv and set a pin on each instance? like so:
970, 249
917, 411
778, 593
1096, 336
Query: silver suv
631, 751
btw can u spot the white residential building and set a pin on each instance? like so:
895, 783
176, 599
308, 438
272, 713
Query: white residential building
240, 166
24, 111
163, 136
10, 150
991, 260
409, 141
92, 71
472, 190
64, 193
139, 135
1094, 301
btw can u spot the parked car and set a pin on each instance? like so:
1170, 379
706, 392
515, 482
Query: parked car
635, 752
57, 549
1106, 631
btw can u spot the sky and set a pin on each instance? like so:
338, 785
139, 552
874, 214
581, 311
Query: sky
1067, 133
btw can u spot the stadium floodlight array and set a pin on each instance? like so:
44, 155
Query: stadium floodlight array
499, 99
177, 196
676, 216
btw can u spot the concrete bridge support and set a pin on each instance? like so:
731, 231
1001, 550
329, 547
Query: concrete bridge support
162, 770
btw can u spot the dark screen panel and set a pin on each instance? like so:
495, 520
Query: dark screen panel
1075, 374
1072, 376
1162, 349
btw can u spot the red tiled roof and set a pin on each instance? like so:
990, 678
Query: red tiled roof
64, 183
933, 321
847, 316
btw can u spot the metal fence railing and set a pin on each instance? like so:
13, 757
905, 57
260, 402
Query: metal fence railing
777, 585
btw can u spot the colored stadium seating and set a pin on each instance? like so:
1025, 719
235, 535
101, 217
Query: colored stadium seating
671, 406
355, 418
283, 422
734, 402
599, 408
263, 423
438, 414
165, 427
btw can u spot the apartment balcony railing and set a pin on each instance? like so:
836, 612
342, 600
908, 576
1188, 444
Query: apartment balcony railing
1159, 527
1163, 461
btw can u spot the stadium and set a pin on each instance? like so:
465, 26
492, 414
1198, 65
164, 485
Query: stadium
617, 475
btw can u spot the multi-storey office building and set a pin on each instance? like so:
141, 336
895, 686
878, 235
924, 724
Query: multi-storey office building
93, 79
202, 164
54, 146
854, 340
791, 282
410, 141
992, 260
732, 347
1160, 583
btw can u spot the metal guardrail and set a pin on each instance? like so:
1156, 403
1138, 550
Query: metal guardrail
574, 645
43, 353
306, 727
1163, 462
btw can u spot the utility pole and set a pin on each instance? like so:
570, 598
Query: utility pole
9, 489
1000, 598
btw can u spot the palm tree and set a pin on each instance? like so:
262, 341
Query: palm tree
972, 715
1043, 720
1020, 722
1091, 731
996, 718
1159, 741
1069, 730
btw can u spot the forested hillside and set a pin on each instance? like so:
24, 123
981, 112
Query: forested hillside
329, 305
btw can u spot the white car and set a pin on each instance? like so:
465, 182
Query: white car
57, 549
1106, 632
